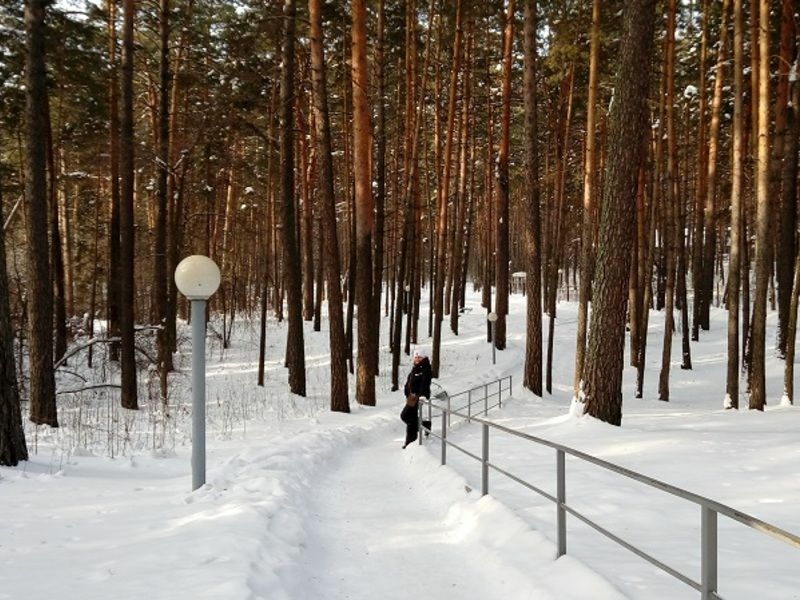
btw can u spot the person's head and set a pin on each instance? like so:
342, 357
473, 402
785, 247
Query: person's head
419, 355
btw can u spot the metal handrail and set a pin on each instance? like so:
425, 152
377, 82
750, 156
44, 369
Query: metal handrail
710, 509
481, 398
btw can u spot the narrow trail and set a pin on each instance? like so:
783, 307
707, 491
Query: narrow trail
381, 533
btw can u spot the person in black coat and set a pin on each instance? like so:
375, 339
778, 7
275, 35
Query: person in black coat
417, 384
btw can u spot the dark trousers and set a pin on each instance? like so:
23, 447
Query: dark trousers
410, 416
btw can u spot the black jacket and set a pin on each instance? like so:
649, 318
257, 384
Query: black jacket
419, 380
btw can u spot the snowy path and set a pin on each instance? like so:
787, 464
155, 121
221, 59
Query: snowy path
382, 529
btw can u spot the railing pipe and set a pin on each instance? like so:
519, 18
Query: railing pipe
444, 435
561, 497
485, 461
710, 509
708, 560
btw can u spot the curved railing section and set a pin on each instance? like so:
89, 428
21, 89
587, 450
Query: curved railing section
476, 401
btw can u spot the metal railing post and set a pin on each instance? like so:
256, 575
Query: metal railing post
485, 405
430, 409
561, 496
708, 551
448, 412
444, 436
485, 461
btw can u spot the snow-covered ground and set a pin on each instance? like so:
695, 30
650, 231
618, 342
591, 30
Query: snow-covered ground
304, 504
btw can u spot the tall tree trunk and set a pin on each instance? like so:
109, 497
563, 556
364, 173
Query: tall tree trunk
160, 251
93, 293
12, 435
56, 255
628, 120
489, 229
126, 221
307, 220
557, 237
588, 197
175, 183
533, 275
702, 179
502, 255
710, 216
444, 195
295, 352
470, 216
380, 193
680, 240
40, 291
112, 278
755, 44
648, 262
758, 392
790, 182
268, 248
364, 205
791, 337
635, 291
460, 218
670, 200
737, 172
785, 188
338, 351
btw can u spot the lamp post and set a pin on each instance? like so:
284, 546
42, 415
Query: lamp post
197, 278
492, 316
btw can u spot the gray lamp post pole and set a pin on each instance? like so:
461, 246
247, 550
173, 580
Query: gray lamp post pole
492, 316
198, 277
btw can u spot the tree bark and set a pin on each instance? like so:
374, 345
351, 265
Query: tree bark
605, 357
737, 172
710, 217
160, 251
380, 192
670, 199
533, 276
126, 221
112, 278
758, 390
460, 221
563, 123
295, 352
13, 448
56, 255
502, 253
364, 205
588, 198
789, 181
680, 240
444, 195
785, 187
338, 351
702, 178
40, 292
